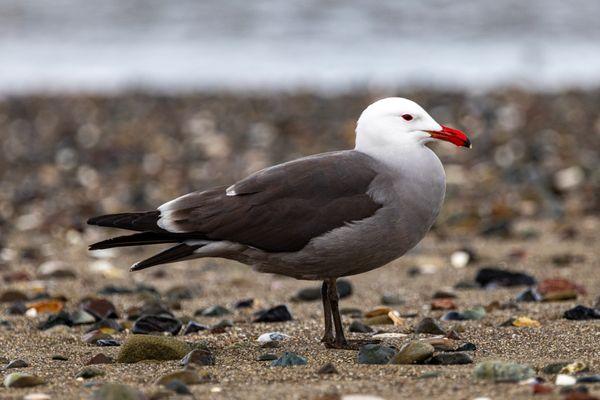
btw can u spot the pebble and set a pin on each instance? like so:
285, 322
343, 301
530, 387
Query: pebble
476, 313
455, 358
327, 369
88, 373
444, 294
392, 299
379, 320
589, 379
413, 352
272, 337
490, 277
574, 368
389, 335
554, 368
245, 303
107, 326
148, 347
193, 327
93, 337
582, 313
182, 292
60, 357
56, 270
565, 380
44, 307
108, 343
289, 359
267, 357
529, 295
214, 311
198, 357
280, 313
429, 325
375, 354
10, 296
18, 363
467, 347
443, 304
525, 322
178, 387
22, 380
99, 308
186, 376
81, 317
117, 391
16, 308
155, 323
503, 371
37, 396
99, 358
61, 318
359, 327
461, 258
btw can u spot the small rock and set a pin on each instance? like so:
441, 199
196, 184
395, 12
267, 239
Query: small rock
389, 335
267, 357
443, 304
359, 327
16, 308
461, 258
327, 369
99, 308
529, 295
289, 359
146, 347
187, 376
17, 364
245, 303
10, 296
88, 373
574, 368
431, 326
108, 343
280, 313
61, 318
193, 327
221, 326
375, 354
581, 313
467, 347
214, 311
181, 292
99, 358
379, 320
117, 391
60, 357
413, 352
444, 294
37, 396
392, 299
81, 317
489, 277
525, 322
455, 358
155, 323
565, 380
198, 357
93, 337
22, 380
178, 387
503, 371
109, 326
272, 337
56, 270
589, 379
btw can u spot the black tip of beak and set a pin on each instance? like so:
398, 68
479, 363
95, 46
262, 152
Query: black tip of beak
468, 144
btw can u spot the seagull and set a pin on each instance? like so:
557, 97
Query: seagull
319, 217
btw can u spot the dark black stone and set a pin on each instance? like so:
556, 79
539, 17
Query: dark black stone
467, 347
16, 308
453, 316
107, 343
581, 313
109, 290
106, 323
487, 277
359, 327
278, 313
178, 387
589, 379
193, 327
529, 295
213, 311
267, 357
156, 323
60, 318
431, 326
453, 358
245, 303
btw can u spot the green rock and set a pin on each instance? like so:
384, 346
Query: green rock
148, 347
554, 368
187, 377
413, 352
22, 380
117, 391
375, 354
289, 359
476, 313
499, 371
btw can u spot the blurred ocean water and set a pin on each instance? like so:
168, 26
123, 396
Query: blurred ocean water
110, 45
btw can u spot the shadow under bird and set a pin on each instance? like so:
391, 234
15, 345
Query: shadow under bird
317, 218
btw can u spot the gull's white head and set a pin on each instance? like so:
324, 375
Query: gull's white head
395, 123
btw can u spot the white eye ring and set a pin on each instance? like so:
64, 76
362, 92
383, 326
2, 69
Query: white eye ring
407, 117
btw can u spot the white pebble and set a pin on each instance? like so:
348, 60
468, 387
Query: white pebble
272, 337
37, 396
460, 259
565, 380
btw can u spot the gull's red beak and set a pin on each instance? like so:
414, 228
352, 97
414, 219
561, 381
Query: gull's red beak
451, 135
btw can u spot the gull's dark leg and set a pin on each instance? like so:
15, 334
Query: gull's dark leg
340, 341
328, 336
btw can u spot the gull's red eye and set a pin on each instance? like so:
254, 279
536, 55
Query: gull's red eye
407, 117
